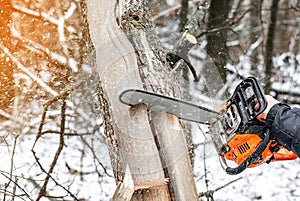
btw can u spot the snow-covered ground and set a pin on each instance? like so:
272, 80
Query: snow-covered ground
275, 181
90, 185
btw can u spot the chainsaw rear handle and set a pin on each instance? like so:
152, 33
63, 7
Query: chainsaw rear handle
251, 159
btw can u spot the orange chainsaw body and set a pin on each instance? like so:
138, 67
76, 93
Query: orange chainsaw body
243, 145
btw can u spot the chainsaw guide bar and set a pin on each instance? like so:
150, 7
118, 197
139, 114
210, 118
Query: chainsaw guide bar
159, 103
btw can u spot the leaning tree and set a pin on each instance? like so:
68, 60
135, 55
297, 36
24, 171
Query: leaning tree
148, 151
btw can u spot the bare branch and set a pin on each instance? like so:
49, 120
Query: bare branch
23, 190
210, 193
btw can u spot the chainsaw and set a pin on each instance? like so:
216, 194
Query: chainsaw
236, 133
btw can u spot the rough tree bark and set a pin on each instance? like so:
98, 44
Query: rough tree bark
149, 148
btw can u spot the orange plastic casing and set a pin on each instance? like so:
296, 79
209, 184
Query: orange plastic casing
243, 145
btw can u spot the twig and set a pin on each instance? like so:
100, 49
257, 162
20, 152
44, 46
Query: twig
96, 159
19, 65
166, 12
58, 151
77, 172
11, 117
204, 162
220, 28
18, 187
43, 192
210, 193
11, 167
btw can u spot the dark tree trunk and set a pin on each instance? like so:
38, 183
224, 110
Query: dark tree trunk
256, 32
216, 41
183, 14
270, 46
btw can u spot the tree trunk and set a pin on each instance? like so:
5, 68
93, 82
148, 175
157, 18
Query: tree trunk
152, 147
216, 41
183, 14
256, 33
270, 46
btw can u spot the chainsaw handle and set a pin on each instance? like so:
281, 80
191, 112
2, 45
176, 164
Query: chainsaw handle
257, 153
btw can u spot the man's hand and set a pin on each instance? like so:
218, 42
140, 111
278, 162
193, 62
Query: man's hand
270, 102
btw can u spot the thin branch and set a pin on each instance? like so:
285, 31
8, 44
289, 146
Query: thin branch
43, 192
210, 193
73, 171
44, 51
58, 151
166, 12
11, 168
204, 162
96, 159
11, 117
28, 72
26, 194
44, 15
66, 134
221, 28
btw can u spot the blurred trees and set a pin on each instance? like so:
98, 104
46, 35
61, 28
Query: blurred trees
252, 40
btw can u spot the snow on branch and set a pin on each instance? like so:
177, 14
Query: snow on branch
28, 72
35, 13
39, 81
45, 15
39, 49
61, 26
